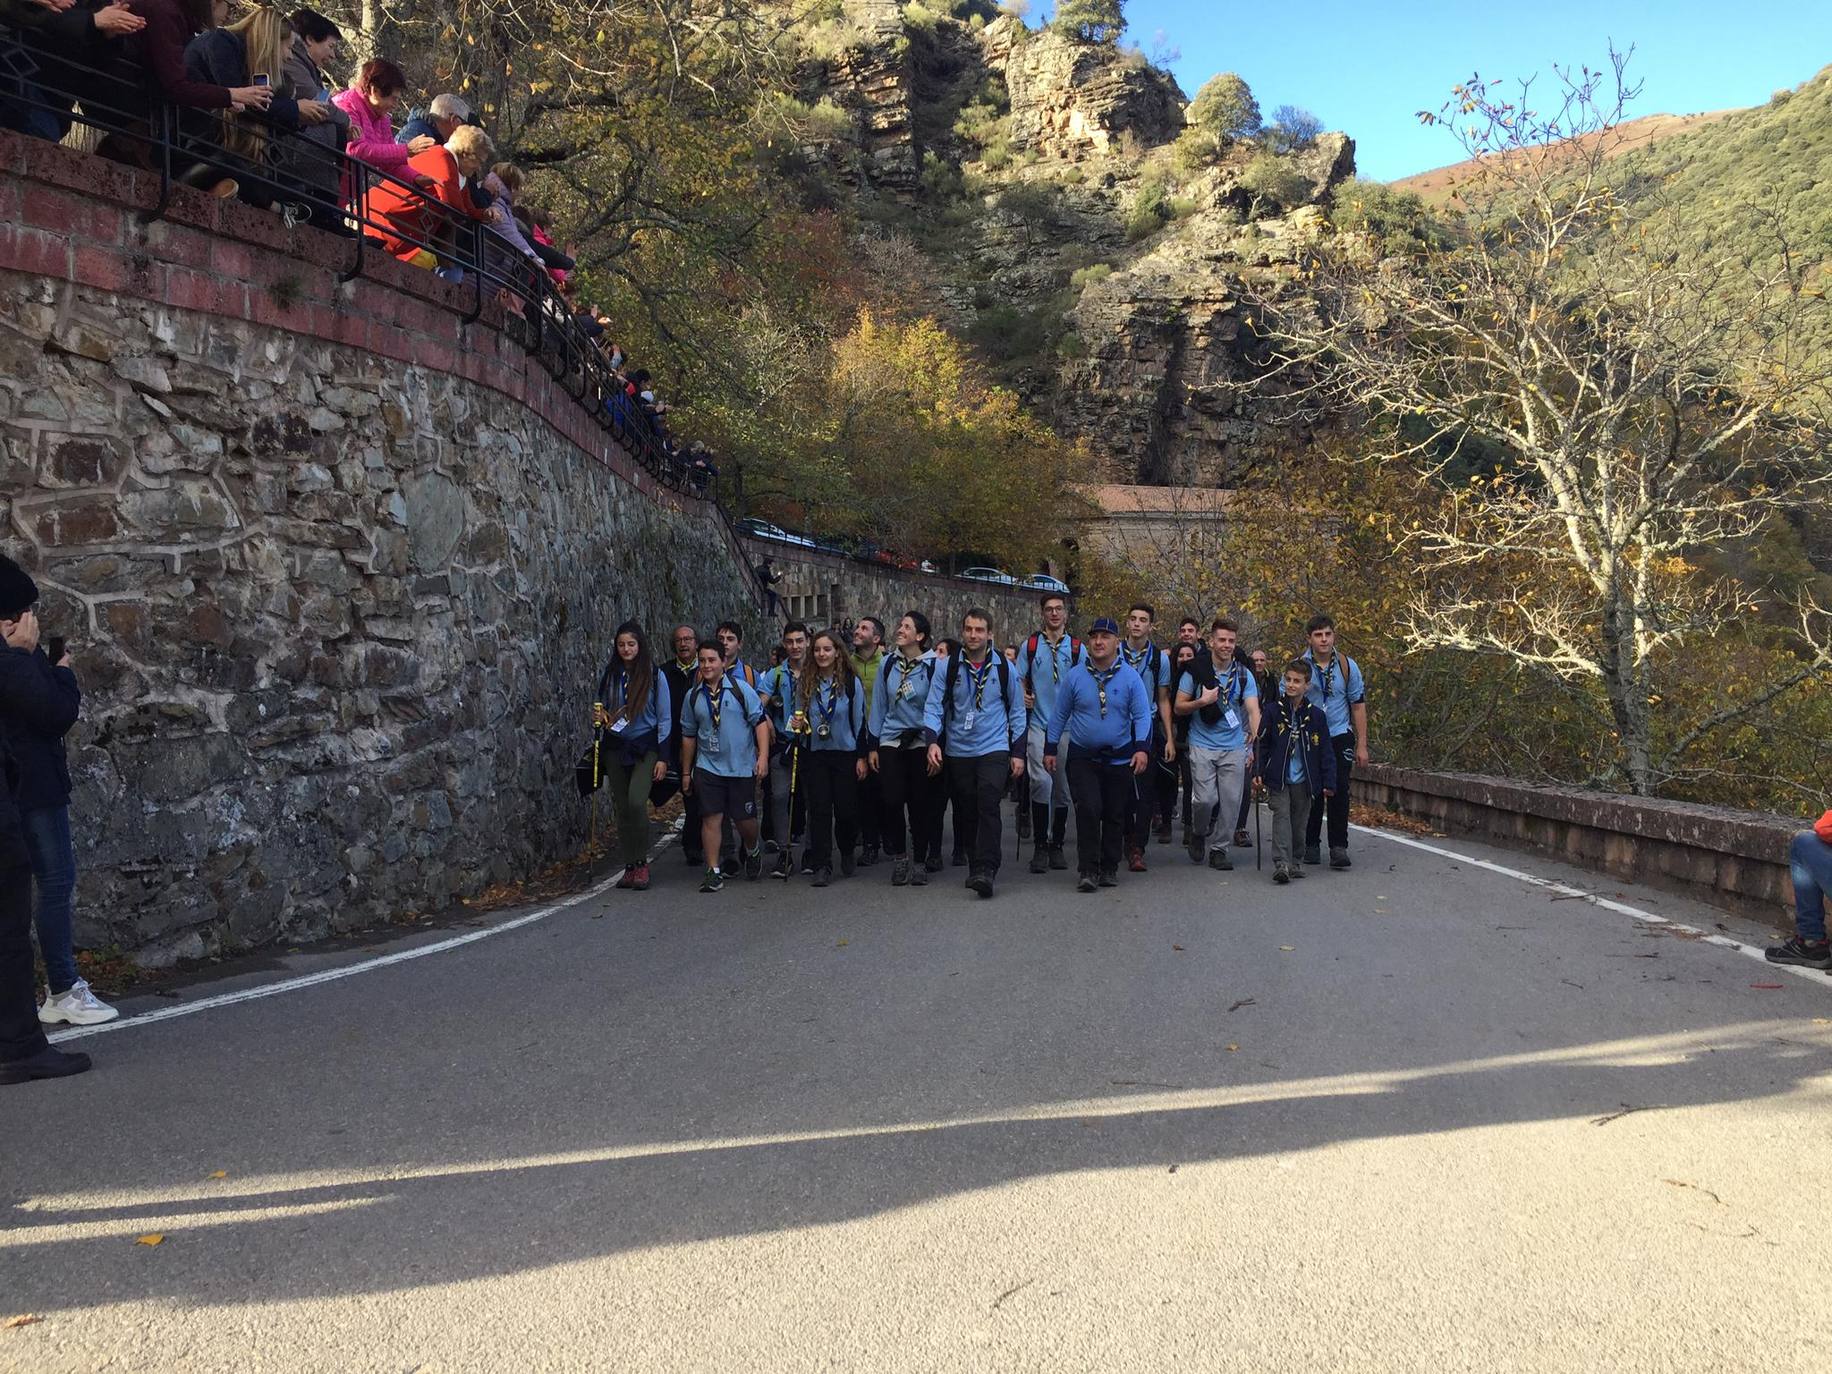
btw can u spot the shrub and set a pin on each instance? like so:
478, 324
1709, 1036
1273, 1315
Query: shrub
1008, 333
1085, 277
1397, 220
1272, 179
1225, 107
1196, 150
941, 179
1091, 21
917, 15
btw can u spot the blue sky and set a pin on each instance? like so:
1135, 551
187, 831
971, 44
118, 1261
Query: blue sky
1368, 68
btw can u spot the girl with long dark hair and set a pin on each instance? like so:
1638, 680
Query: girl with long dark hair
833, 701
633, 717
898, 753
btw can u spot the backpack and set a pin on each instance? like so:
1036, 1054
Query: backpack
954, 673
1030, 662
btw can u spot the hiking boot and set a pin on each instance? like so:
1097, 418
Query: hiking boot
1187, 832
1338, 858
1281, 874
1220, 862
932, 864
1242, 840
785, 865
628, 877
1195, 844
919, 875
867, 857
640, 879
1163, 832
1297, 871
822, 877
1086, 883
959, 860
1816, 954
1040, 859
78, 1006
753, 864
1109, 877
714, 881
848, 866
1058, 860
47, 1063
981, 883
1312, 855
1135, 859
900, 871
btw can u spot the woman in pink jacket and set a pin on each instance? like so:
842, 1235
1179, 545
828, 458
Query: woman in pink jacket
369, 103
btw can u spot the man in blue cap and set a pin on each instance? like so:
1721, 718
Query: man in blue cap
1105, 709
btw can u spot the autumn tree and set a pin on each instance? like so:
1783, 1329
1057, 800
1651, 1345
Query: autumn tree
1603, 414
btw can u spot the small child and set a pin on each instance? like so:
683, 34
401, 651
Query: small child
1296, 765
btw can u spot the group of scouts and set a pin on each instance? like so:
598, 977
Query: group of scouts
861, 746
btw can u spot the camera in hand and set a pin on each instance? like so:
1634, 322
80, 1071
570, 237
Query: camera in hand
54, 648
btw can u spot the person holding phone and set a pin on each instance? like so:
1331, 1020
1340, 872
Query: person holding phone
38, 703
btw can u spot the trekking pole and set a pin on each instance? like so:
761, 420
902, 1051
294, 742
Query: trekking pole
591, 852
1256, 834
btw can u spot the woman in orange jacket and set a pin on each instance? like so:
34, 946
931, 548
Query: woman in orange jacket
421, 234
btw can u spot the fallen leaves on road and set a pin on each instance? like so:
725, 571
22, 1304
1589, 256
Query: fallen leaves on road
220, 1173
1233, 1049
1288, 948
1767, 987
32, 1319
1178, 948
151, 1238
1681, 1183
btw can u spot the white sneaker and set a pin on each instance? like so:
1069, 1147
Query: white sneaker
79, 1006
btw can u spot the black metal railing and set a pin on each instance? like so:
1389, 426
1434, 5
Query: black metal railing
318, 186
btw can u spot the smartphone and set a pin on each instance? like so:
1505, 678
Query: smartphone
259, 79
54, 648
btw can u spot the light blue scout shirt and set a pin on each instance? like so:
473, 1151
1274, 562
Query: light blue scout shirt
903, 691
724, 721
1107, 714
1336, 690
657, 717
1140, 663
1230, 732
841, 715
978, 721
1294, 760
783, 688
1045, 673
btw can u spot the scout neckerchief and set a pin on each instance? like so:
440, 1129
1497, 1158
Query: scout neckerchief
826, 699
715, 702
1139, 659
905, 682
976, 681
1100, 684
1055, 660
1328, 673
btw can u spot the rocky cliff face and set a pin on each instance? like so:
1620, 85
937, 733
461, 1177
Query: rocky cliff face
1102, 276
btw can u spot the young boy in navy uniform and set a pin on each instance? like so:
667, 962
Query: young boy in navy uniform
1296, 766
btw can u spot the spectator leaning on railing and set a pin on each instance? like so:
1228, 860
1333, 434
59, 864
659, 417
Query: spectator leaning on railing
421, 236
309, 159
85, 33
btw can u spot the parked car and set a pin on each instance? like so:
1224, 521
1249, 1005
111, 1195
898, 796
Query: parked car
927, 566
1043, 582
1004, 579
763, 529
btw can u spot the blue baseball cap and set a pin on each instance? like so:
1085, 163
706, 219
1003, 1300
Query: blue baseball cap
1105, 625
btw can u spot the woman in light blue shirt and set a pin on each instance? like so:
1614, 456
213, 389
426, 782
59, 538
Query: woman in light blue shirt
833, 700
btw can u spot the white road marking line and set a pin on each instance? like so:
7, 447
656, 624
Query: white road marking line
1811, 975
230, 999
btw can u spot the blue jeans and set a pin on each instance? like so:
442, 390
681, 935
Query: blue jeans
1809, 864
47, 840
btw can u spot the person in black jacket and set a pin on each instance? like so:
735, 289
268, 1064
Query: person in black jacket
28, 699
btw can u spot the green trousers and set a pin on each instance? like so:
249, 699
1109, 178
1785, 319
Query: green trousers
629, 789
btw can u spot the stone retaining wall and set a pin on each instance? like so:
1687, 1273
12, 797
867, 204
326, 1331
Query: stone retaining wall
825, 588
1733, 859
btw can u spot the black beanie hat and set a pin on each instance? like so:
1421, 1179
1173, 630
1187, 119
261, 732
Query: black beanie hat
17, 590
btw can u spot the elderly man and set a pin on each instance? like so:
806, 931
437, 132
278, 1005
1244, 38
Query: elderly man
442, 118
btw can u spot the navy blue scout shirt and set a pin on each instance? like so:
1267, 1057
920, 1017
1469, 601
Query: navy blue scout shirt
979, 722
841, 714
903, 692
724, 721
1043, 672
1335, 689
1107, 714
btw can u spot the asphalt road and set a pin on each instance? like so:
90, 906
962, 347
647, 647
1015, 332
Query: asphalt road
1421, 1115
